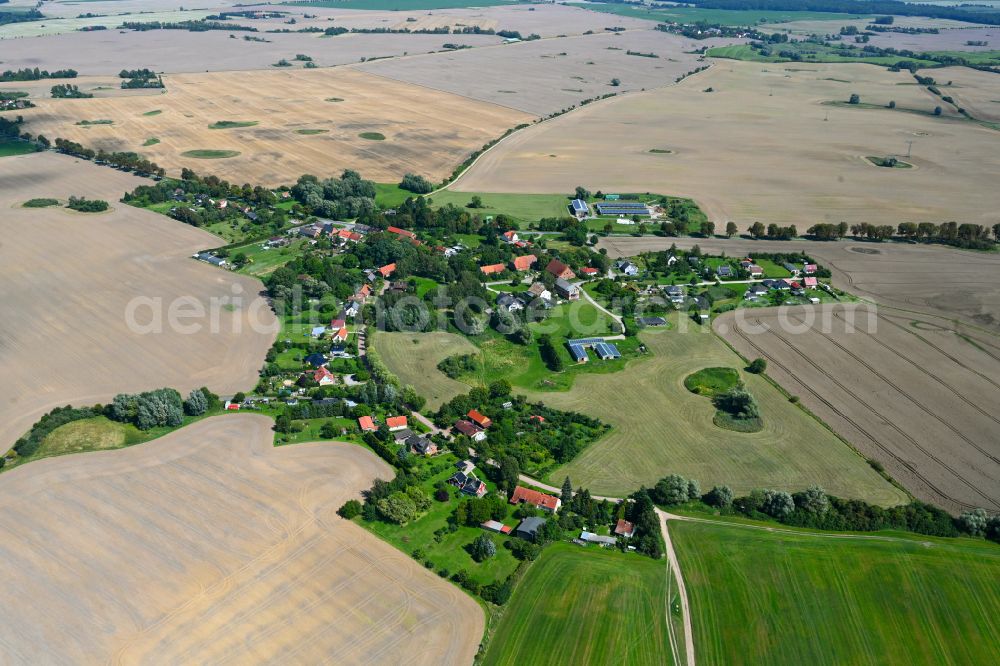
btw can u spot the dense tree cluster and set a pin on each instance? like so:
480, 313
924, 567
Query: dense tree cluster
28, 445
84, 205
35, 74
162, 407
857, 7
68, 91
417, 184
191, 26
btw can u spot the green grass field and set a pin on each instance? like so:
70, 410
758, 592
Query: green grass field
391, 194
585, 606
522, 207
720, 16
413, 357
712, 381
794, 598
372, 136
659, 427
11, 148
207, 154
311, 132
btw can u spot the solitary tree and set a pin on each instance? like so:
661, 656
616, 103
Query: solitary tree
855, 99
483, 548
615, 82
581, 193
731, 229
567, 491
937, 110
757, 366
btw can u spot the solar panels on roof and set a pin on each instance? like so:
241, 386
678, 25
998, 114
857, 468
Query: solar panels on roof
622, 208
585, 342
578, 353
607, 350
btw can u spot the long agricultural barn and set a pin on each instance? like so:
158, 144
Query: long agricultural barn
622, 208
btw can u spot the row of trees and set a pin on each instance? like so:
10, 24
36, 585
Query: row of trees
35, 74
127, 161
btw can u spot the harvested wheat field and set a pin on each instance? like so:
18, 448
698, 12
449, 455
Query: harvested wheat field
414, 358
173, 51
931, 279
909, 391
209, 545
426, 132
978, 92
765, 145
563, 71
68, 279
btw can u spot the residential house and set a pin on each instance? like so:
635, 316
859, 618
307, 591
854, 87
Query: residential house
352, 309
340, 321
496, 526
541, 501
528, 528
627, 267
809, 269
624, 528
724, 271
340, 335
674, 293
538, 290
560, 270
315, 359
566, 290
396, 423
523, 262
791, 268
367, 424
470, 430
810, 282
479, 419
509, 237
465, 466
509, 302
754, 292
421, 445
492, 269
589, 271
324, 377
402, 435
468, 484
318, 331
755, 271
387, 270
652, 321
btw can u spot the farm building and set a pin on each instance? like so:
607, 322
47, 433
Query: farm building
211, 259
538, 290
605, 350
590, 537
529, 527
628, 208
402, 232
560, 270
523, 263
496, 526
578, 353
541, 501
579, 208
652, 321
491, 269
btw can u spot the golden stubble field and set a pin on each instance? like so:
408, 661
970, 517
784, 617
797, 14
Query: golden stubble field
68, 279
426, 132
765, 146
210, 545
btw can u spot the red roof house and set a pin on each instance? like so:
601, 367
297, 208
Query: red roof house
560, 270
490, 269
540, 500
523, 263
470, 430
401, 232
510, 236
396, 422
341, 334
811, 282
589, 270
337, 323
367, 425
809, 269
324, 377
479, 419
387, 270
624, 528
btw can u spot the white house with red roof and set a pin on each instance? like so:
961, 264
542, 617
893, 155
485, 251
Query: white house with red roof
541, 501
324, 377
367, 424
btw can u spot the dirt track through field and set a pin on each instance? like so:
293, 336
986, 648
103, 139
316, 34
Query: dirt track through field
209, 545
69, 279
901, 402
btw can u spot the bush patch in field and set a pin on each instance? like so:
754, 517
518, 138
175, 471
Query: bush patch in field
232, 124
372, 136
205, 154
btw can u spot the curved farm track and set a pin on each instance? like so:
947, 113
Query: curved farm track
918, 400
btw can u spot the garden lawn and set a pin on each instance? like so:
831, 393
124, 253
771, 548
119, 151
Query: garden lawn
449, 553
413, 357
585, 606
794, 598
391, 194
